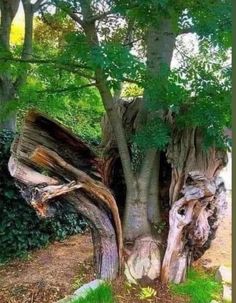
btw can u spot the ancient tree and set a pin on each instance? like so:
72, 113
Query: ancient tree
162, 152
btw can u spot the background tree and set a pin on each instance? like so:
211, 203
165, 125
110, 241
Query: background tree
10, 79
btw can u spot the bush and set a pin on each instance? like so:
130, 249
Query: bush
21, 229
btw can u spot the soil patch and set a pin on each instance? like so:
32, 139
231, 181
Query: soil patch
56, 271
220, 252
48, 273
51, 273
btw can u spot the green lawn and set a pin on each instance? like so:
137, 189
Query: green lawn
103, 294
199, 287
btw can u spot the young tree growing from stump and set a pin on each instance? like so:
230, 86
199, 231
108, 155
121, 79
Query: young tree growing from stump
167, 146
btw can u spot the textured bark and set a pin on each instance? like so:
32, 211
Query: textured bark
186, 154
74, 174
145, 261
197, 199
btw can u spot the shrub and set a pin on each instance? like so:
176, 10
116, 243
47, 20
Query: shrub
21, 229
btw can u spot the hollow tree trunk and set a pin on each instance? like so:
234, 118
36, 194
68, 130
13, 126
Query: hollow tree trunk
197, 199
50, 163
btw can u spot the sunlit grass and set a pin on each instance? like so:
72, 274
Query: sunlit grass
199, 287
102, 294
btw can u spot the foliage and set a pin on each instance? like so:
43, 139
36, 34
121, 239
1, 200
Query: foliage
199, 286
147, 293
155, 134
102, 294
198, 92
131, 90
52, 89
206, 78
210, 19
20, 228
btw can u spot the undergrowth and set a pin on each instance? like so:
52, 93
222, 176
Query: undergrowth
200, 287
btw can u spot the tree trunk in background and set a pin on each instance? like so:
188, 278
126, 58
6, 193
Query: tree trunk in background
7, 94
7, 90
10, 86
197, 199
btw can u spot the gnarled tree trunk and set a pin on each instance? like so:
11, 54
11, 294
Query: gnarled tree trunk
197, 200
48, 161
196, 195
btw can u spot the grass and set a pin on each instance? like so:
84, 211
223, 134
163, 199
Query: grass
102, 294
199, 287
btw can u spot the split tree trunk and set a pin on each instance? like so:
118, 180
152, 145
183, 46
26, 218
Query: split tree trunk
49, 162
193, 202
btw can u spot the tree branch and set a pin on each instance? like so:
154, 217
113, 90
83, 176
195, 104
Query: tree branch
67, 10
44, 61
66, 89
37, 5
98, 17
73, 68
108, 101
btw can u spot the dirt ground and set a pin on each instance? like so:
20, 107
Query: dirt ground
220, 252
51, 273
54, 272
47, 275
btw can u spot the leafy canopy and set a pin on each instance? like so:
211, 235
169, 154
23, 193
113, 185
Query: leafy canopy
198, 92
